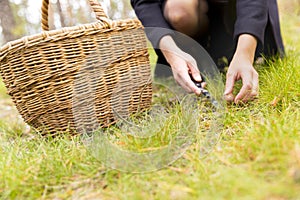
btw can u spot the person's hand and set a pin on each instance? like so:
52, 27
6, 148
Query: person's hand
182, 64
241, 67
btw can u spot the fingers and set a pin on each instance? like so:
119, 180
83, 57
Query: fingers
255, 85
254, 90
188, 75
244, 93
194, 70
203, 84
249, 90
185, 81
184, 67
230, 79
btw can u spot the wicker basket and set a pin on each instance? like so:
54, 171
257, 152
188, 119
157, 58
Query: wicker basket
62, 80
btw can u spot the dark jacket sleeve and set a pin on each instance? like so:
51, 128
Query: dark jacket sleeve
150, 13
251, 18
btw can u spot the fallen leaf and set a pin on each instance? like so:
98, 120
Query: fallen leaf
275, 101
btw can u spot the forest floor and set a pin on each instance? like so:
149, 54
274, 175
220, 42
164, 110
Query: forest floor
256, 157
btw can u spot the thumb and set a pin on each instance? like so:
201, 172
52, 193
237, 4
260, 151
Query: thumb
194, 71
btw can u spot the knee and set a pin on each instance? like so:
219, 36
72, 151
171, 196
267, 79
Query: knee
181, 18
186, 16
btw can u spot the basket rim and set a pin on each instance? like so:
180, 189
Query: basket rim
67, 33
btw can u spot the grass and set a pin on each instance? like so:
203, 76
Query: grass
257, 156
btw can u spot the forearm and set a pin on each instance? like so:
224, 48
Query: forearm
150, 13
168, 48
246, 47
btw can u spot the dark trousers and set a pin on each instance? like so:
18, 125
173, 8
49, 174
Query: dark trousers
219, 41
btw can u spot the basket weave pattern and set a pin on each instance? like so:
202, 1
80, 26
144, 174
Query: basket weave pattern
51, 73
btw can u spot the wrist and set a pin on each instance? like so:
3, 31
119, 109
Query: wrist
169, 49
167, 43
246, 47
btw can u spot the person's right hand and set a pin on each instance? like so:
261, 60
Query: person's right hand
182, 64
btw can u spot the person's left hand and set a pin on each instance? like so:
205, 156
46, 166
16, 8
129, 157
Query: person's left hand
241, 67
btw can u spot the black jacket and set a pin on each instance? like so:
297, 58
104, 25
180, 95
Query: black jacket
257, 17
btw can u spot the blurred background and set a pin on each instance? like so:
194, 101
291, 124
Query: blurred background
22, 17
19, 18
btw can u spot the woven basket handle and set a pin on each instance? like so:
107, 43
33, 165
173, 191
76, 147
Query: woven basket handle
97, 8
